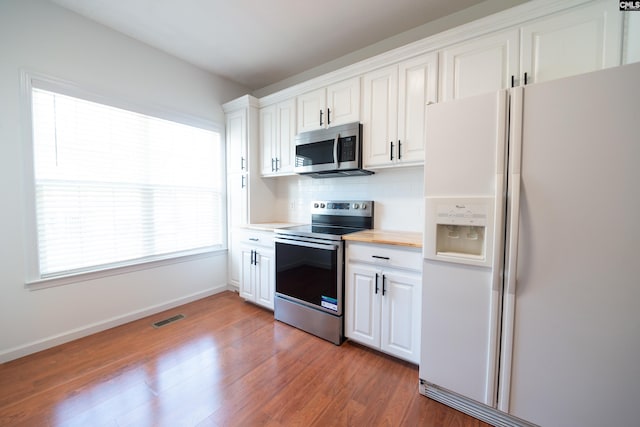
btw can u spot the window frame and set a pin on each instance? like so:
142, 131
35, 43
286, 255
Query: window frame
34, 281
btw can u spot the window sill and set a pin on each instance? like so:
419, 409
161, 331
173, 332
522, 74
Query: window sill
84, 276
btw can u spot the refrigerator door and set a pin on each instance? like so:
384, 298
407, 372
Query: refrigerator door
464, 166
571, 345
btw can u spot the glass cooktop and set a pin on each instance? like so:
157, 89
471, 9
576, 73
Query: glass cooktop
320, 231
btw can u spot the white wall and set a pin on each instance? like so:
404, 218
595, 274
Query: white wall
480, 10
397, 193
38, 36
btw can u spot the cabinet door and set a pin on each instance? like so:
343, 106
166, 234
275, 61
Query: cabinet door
575, 42
268, 139
632, 38
343, 102
236, 124
479, 66
311, 110
362, 305
247, 273
286, 135
400, 319
237, 200
265, 278
380, 116
417, 86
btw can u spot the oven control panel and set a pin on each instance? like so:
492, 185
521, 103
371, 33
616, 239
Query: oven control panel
342, 207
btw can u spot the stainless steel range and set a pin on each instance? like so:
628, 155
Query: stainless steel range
310, 267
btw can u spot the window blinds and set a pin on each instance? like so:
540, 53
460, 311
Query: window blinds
115, 187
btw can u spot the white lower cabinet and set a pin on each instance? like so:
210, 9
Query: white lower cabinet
383, 294
257, 271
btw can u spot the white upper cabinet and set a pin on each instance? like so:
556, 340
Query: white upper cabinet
277, 138
380, 116
583, 39
331, 106
343, 102
236, 123
479, 66
268, 139
632, 38
394, 104
570, 43
418, 86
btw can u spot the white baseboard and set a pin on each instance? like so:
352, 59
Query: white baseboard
36, 346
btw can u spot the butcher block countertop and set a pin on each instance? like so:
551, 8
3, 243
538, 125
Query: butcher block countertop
386, 237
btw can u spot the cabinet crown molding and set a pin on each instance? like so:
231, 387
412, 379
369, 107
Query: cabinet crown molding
242, 102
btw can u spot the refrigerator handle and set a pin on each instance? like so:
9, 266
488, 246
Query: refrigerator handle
513, 184
511, 253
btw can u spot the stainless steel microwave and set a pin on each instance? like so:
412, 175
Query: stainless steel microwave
331, 152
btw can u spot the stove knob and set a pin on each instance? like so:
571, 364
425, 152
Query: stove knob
322, 205
315, 205
356, 206
363, 206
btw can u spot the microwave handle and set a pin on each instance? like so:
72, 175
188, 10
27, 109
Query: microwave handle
335, 151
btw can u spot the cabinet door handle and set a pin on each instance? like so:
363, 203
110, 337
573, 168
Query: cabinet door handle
513, 80
380, 257
277, 166
255, 257
399, 150
241, 163
272, 167
328, 116
384, 290
377, 289
242, 185
391, 151
251, 256
525, 78
320, 117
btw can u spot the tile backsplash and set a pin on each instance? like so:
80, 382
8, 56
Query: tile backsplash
397, 193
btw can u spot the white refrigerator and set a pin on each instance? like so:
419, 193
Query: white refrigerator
531, 293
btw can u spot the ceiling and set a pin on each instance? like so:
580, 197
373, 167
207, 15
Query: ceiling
260, 42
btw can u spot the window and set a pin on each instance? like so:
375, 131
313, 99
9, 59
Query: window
115, 187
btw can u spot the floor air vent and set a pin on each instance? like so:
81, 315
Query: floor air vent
169, 320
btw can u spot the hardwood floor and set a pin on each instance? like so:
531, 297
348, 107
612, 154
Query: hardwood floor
228, 363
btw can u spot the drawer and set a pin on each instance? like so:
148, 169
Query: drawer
255, 237
385, 255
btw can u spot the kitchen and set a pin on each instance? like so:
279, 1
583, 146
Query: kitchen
397, 191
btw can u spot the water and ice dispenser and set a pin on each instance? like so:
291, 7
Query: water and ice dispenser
459, 230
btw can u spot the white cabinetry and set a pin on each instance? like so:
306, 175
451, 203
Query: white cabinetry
482, 65
331, 106
573, 42
245, 187
631, 46
394, 104
257, 277
383, 294
277, 138
582, 39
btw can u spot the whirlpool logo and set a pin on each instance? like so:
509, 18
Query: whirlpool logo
629, 5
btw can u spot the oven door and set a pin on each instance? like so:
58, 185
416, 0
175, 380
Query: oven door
310, 271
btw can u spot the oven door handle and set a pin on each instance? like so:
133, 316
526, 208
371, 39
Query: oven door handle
326, 246
336, 142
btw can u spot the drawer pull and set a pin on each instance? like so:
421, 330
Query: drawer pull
253, 239
380, 257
